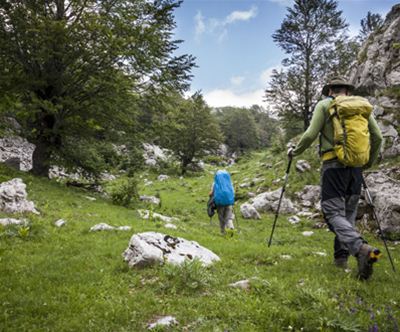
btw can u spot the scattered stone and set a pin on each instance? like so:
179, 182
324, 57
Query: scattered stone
151, 248
245, 185
308, 233
320, 253
302, 166
60, 223
251, 194
162, 177
101, 227
162, 322
310, 196
170, 226
146, 214
124, 228
306, 214
268, 201
12, 221
90, 198
150, 199
153, 155
287, 257
294, 220
107, 227
147, 182
242, 284
249, 212
13, 197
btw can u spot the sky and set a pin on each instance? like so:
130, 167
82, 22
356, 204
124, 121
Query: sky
233, 46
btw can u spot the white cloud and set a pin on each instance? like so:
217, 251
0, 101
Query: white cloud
241, 15
224, 97
218, 27
200, 25
265, 76
237, 80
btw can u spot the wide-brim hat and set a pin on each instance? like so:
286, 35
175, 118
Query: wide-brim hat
336, 81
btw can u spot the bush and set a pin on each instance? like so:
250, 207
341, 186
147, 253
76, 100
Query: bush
125, 192
191, 276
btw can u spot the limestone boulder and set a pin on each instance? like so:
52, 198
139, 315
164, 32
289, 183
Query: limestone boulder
248, 211
14, 198
268, 201
152, 248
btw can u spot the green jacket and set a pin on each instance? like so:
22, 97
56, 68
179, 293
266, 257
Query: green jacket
322, 124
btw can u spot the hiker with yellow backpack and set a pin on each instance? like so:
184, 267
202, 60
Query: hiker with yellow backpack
350, 140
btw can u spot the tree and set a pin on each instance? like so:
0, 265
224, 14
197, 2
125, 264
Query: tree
74, 71
190, 130
307, 33
369, 24
239, 129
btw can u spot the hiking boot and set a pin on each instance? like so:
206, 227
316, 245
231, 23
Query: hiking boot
366, 257
341, 262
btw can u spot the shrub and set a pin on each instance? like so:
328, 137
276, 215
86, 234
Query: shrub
191, 276
125, 192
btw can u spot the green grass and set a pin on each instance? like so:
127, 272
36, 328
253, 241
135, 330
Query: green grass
68, 279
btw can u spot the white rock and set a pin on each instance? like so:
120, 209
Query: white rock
163, 322
244, 185
268, 201
294, 220
90, 198
101, 227
13, 197
59, 223
320, 253
302, 166
308, 233
150, 199
287, 257
145, 214
12, 221
248, 211
151, 248
170, 226
162, 177
123, 228
17, 147
242, 284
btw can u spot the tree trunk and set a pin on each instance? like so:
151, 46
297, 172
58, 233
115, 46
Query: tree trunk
41, 159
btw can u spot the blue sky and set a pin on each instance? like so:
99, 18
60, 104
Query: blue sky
232, 42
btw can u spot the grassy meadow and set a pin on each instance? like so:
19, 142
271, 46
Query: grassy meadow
70, 279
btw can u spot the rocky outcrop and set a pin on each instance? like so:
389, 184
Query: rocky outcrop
376, 75
17, 152
151, 248
154, 155
384, 188
13, 197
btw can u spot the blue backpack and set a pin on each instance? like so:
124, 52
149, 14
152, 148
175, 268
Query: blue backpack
223, 189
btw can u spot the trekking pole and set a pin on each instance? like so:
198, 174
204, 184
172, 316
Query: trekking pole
280, 199
236, 220
371, 204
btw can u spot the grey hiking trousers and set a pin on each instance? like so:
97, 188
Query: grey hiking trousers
225, 217
340, 192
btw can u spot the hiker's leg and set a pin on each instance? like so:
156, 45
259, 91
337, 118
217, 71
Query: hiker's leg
335, 181
221, 216
229, 217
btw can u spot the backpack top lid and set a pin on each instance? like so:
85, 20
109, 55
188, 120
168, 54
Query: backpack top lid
223, 189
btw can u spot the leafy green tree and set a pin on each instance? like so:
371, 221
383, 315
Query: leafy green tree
190, 130
307, 34
239, 128
73, 73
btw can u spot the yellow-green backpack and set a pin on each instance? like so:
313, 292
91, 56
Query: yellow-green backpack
350, 116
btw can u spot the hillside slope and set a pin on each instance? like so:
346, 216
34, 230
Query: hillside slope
70, 279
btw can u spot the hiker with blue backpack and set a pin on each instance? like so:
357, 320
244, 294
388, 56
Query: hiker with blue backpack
350, 141
223, 198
